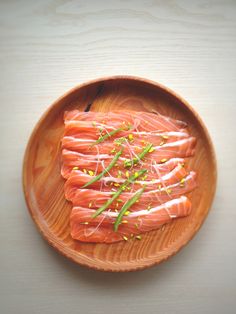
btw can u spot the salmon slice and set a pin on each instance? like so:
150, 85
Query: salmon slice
94, 199
100, 229
87, 141
180, 149
91, 131
142, 121
78, 179
97, 164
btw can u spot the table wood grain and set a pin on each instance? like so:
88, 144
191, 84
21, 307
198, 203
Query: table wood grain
47, 47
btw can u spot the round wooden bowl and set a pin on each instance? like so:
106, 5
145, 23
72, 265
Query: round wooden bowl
43, 184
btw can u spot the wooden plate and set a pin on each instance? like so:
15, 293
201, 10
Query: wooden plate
43, 184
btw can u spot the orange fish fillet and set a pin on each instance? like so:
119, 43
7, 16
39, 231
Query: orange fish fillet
100, 229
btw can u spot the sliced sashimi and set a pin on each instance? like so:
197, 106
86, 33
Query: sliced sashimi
141, 121
85, 228
78, 179
93, 130
96, 163
86, 139
125, 173
180, 149
94, 199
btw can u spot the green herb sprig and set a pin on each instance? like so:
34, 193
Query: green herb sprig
102, 138
106, 170
130, 162
126, 206
130, 180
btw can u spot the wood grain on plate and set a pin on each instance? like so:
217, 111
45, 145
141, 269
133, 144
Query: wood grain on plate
43, 184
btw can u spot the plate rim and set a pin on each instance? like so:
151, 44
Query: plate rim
147, 262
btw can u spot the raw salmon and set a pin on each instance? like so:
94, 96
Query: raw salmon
136, 223
183, 147
94, 199
142, 121
87, 142
126, 173
71, 159
78, 178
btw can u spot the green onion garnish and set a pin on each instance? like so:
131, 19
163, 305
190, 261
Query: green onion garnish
120, 141
130, 180
106, 136
107, 169
130, 162
126, 206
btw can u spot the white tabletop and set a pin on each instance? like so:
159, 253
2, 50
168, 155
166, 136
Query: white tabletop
47, 47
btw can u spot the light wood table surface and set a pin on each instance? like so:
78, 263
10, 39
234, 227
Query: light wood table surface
46, 48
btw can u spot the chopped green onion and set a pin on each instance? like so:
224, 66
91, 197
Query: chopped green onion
130, 162
163, 160
151, 150
119, 174
90, 172
126, 206
119, 141
130, 137
165, 137
98, 177
130, 180
106, 136
127, 213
